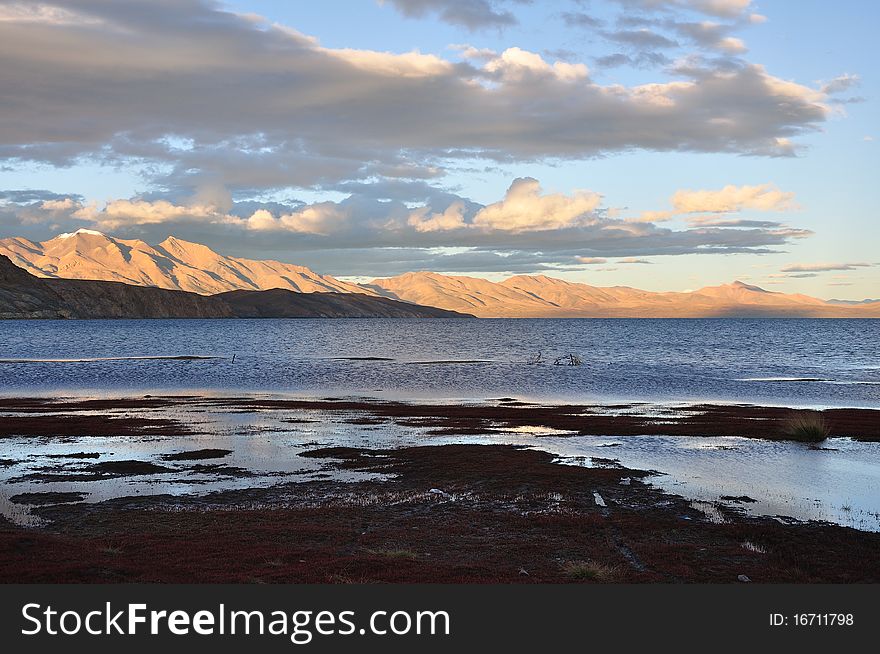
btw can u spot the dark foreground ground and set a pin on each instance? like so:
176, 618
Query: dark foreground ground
445, 514
458, 513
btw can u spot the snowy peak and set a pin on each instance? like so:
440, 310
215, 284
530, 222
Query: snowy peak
81, 232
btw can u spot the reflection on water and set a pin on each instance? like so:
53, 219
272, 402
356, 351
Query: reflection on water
839, 482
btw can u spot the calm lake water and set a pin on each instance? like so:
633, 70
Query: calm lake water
791, 362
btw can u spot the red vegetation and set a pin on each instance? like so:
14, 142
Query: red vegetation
456, 513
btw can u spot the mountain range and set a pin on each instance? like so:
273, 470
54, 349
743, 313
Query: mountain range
180, 265
24, 296
173, 264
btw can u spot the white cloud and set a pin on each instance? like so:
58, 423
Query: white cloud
517, 65
764, 197
424, 221
412, 64
525, 209
321, 219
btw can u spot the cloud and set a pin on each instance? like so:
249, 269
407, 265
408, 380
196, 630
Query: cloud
639, 60
580, 19
840, 84
23, 197
451, 218
727, 200
323, 218
823, 267
525, 209
471, 14
196, 93
527, 230
708, 34
715, 221
764, 197
640, 38
518, 65
721, 8
632, 260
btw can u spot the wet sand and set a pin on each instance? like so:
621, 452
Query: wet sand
441, 513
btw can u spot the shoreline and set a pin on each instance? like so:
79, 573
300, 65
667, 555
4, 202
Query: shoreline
448, 514
463, 418
186, 507
382, 396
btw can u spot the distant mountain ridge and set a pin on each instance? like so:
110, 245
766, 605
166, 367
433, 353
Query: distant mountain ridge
525, 296
24, 296
175, 264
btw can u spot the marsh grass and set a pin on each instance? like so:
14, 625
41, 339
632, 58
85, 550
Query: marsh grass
807, 427
589, 571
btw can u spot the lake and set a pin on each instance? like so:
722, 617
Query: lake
823, 363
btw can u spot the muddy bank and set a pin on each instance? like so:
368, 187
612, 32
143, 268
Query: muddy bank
198, 455
64, 425
37, 499
454, 513
619, 420
49, 417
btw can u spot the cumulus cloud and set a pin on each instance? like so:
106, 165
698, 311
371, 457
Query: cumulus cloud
527, 230
525, 209
451, 218
323, 219
306, 115
518, 65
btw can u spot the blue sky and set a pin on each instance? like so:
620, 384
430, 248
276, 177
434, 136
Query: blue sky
761, 122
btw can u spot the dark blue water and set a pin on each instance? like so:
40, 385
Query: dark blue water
657, 360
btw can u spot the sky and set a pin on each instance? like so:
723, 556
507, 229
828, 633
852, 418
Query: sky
660, 144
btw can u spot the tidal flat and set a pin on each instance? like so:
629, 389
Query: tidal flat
274, 488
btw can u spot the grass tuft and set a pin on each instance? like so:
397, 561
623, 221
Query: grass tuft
589, 571
807, 427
